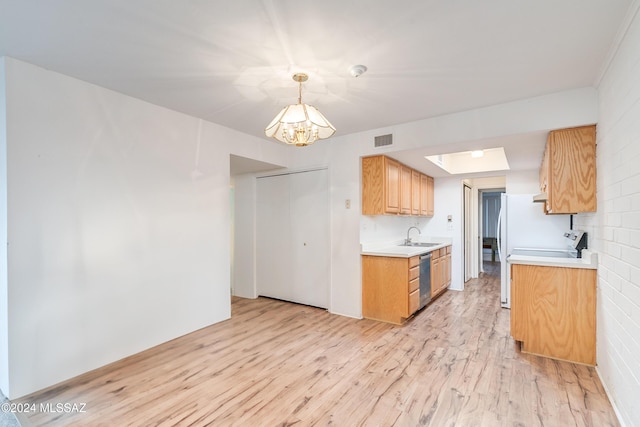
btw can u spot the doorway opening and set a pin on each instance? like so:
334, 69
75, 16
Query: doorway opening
490, 205
478, 230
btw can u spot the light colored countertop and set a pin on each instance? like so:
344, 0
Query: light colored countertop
398, 251
589, 260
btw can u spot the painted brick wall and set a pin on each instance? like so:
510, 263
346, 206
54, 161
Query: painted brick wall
615, 228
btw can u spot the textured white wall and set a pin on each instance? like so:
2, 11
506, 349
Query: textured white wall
615, 228
244, 275
4, 292
118, 225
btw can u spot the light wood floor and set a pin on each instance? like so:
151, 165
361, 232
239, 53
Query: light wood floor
278, 364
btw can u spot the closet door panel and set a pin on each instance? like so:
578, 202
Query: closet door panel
310, 237
273, 236
292, 237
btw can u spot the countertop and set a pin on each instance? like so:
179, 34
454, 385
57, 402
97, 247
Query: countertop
398, 251
589, 260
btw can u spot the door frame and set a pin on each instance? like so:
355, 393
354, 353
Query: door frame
467, 234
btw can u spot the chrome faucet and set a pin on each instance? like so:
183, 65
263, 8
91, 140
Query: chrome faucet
408, 241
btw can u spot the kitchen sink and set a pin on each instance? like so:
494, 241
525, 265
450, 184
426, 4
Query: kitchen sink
422, 245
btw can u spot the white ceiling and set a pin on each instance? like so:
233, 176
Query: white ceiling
230, 62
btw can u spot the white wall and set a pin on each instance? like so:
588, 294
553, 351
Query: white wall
614, 231
524, 182
118, 225
4, 302
244, 274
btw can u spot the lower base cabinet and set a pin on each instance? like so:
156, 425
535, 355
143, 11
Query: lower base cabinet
553, 311
440, 270
391, 285
390, 288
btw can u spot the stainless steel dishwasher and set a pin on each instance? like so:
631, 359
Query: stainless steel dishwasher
425, 279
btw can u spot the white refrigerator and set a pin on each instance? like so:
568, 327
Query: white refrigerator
522, 224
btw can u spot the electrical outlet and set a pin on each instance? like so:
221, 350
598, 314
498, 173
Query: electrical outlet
347, 203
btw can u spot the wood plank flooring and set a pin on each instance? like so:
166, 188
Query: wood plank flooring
279, 364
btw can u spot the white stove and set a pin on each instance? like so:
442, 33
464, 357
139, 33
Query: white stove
546, 253
575, 240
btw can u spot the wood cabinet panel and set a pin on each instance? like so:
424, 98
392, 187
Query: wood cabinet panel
380, 186
414, 301
414, 261
405, 190
426, 195
446, 271
415, 193
430, 203
423, 195
414, 284
393, 181
440, 270
414, 273
553, 311
436, 276
568, 170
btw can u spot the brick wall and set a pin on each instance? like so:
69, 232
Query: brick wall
614, 230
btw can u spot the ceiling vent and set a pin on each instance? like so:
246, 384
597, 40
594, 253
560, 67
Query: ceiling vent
382, 140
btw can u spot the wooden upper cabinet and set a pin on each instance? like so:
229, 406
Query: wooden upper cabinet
391, 183
415, 192
430, 203
568, 171
426, 195
423, 194
380, 186
391, 188
405, 190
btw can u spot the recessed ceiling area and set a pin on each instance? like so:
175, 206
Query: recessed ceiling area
475, 161
522, 152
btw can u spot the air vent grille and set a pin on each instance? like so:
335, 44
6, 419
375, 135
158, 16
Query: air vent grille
382, 140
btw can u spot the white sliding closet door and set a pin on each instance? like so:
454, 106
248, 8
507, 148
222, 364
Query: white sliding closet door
292, 237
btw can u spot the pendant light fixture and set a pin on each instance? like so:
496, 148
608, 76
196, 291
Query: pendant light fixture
299, 124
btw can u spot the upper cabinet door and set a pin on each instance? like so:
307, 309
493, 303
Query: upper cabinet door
392, 186
426, 195
568, 171
430, 196
415, 192
405, 190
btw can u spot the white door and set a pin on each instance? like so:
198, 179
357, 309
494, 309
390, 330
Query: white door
292, 237
468, 234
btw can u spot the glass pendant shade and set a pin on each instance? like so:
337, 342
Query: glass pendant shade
299, 124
